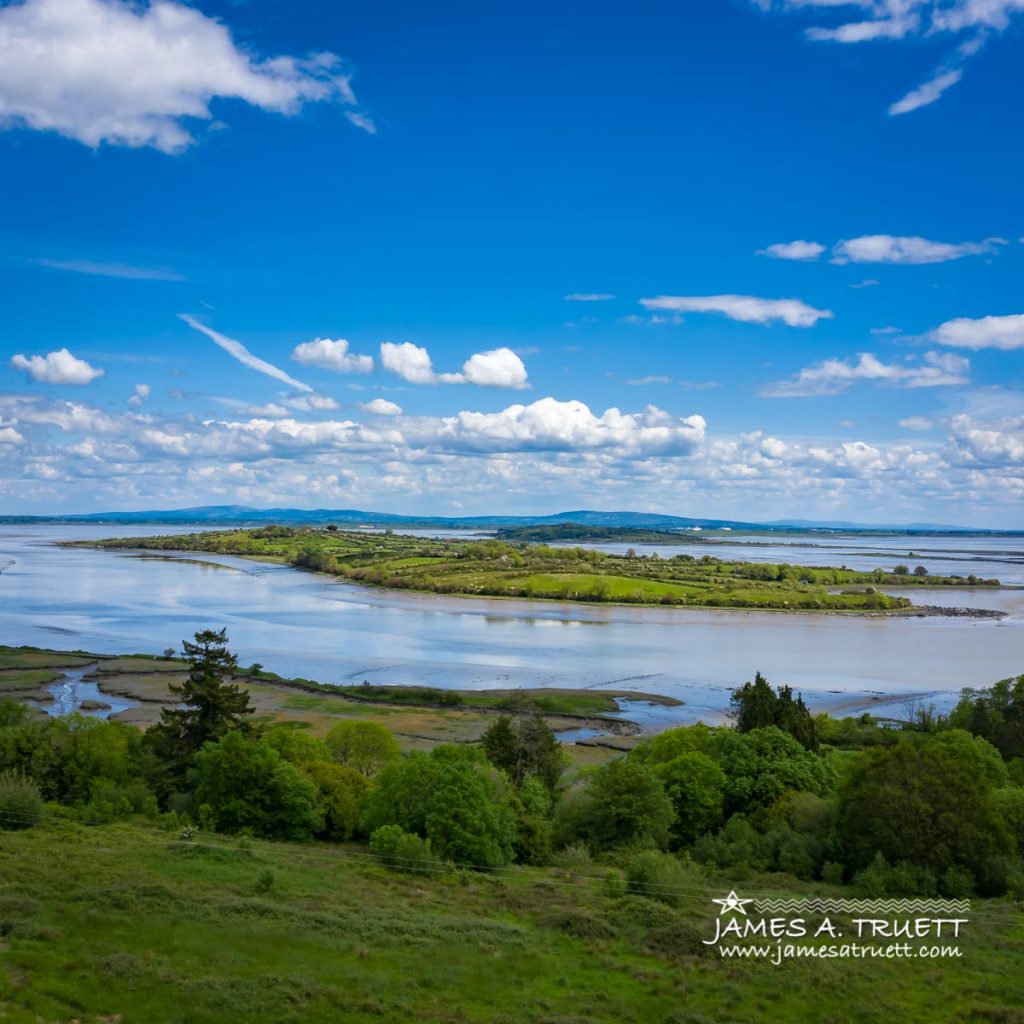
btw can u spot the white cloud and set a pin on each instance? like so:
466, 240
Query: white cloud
238, 351
589, 297
139, 395
410, 362
907, 249
332, 355
9, 436
927, 93
311, 403
136, 74
987, 442
551, 425
906, 19
745, 308
798, 250
832, 376
362, 121
59, 367
382, 407
917, 423
123, 270
651, 378
1001, 332
500, 367
547, 454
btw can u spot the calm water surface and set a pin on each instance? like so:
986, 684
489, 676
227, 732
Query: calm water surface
298, 623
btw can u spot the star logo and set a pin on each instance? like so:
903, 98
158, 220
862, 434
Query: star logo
732, 902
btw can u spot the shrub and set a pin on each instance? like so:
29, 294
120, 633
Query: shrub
832, 873
659, 876
573, 855
956, 882
21, 805
403, 851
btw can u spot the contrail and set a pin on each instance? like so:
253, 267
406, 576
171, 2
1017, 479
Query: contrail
243, 355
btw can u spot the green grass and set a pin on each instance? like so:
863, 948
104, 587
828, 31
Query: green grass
127, 922
24, 679
493, 568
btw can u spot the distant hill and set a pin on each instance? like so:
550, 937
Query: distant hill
240, 515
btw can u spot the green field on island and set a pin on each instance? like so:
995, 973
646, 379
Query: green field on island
502, 568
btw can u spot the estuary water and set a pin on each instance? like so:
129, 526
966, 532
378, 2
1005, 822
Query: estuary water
302, 624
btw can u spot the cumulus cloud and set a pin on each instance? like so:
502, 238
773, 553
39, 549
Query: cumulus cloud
410, 362
9, 436
59, 367
561, 453
139, 395
499, 368
832, 376
908, 249
745, 308
122, 270
993, 443
238, 351
382, 407
799, 250
551, 425
589, 297
1001, 332
137, 74
332, 355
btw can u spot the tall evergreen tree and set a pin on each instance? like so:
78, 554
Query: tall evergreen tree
211, 708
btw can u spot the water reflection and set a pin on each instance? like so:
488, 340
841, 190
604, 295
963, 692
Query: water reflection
299, 623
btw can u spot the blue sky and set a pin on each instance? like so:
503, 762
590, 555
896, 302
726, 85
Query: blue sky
437, 180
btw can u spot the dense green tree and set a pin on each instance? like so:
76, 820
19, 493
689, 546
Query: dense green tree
525, 748
363, 746
996, 714
246, 784
452, 797
696, 786
401, 793
923, 801
67, 755
761, 765
340, 792
465, 821
296, 745
756, 705
623, 803
532, 807
668, 745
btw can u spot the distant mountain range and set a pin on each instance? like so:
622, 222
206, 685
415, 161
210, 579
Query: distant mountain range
244, 515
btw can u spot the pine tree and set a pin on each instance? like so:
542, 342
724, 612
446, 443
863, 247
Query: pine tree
211, 708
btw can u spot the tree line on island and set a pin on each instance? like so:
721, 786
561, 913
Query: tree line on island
930, 806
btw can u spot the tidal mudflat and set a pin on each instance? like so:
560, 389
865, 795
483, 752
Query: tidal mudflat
301, 623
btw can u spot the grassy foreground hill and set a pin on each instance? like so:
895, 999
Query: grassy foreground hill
126, 923
495, 568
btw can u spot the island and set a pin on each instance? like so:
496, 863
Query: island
496, 567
